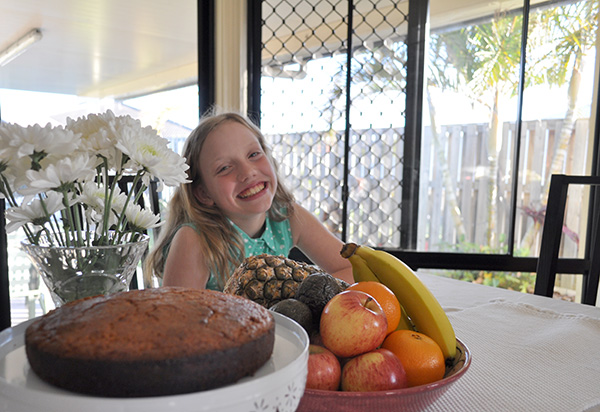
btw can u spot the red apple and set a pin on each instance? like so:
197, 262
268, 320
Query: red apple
352, 323
324, 370
378, 370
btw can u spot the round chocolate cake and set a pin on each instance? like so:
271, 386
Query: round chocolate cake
150, 342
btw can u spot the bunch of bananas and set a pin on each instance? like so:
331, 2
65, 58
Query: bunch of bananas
420, 309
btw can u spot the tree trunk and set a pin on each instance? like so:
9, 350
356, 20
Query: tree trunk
493, 172
561, 147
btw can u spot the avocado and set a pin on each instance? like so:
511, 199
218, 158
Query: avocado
297, 311
316, 290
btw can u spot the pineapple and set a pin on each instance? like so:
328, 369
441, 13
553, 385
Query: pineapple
268, 279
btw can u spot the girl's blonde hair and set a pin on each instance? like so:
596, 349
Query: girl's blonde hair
221, 244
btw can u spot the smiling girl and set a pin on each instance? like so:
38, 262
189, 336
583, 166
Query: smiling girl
234, 207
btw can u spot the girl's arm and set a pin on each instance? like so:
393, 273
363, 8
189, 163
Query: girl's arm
185, 265
319, 244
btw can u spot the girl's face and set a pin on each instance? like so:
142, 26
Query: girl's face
237, 175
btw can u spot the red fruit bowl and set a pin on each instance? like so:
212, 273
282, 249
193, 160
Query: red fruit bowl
409, 399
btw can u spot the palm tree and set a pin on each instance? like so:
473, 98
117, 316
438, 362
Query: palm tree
484, 59
572, 28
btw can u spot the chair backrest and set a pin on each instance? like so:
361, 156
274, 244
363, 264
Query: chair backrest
552, 232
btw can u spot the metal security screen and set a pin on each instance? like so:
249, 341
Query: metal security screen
333, 93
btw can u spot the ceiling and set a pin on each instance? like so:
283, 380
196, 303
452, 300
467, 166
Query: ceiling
124, 48
101, 48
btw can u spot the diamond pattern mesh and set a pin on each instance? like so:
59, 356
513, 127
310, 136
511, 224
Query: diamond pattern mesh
304, 112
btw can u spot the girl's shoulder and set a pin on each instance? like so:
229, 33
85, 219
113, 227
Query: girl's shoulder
187, 224
189, 233
305, 225
298, 214
186, 229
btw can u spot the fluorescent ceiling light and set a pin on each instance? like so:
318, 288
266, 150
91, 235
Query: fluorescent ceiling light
19, 46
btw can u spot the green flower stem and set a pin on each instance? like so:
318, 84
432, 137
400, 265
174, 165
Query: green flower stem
77, 217
108, 196
65, 219
140, 193
69, 215
122, 221
116, 238
86, 224
57, 233
48, 218
28, 233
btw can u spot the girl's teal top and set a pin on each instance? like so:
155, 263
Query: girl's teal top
276, 239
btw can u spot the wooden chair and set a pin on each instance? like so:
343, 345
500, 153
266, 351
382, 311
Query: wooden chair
551, 236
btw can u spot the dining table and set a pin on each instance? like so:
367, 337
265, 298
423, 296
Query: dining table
529, 352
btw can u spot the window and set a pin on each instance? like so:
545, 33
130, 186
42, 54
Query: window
336, 104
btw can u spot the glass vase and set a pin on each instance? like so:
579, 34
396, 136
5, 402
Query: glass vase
72, 273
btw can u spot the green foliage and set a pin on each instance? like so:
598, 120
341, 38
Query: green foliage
519, 281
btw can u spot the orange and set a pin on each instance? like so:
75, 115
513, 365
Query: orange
386, 299
420, 355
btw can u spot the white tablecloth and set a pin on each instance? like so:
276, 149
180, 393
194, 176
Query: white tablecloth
530, 353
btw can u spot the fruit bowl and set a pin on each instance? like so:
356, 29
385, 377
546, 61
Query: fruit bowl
409, 399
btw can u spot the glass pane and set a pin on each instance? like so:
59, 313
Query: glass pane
568, 287
557, 127
467, 147
305, 114
377, 119
471, 137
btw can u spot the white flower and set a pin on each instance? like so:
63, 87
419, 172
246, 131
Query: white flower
97, 136
78, 160
66, 171
19, 141
37, 212
93, 198
141, 219
150, 152
118, 202
15, 172
24, 148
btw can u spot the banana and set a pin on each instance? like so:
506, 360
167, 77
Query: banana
362, 273
421, 306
